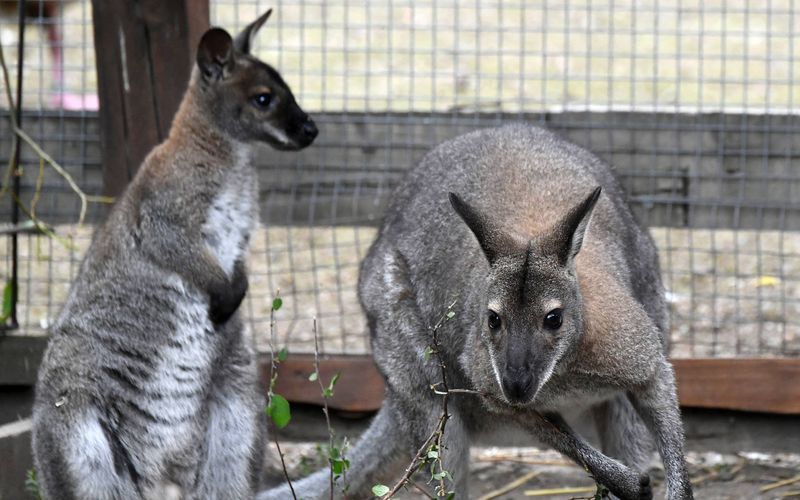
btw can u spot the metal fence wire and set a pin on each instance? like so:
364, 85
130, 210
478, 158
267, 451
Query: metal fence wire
694, 103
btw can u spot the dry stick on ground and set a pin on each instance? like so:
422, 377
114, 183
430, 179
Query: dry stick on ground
522, 460
272, 373
324, 403
510, 486
778, 484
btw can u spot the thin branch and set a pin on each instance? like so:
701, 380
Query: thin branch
85, 199
437, 436
324, 404
43, 156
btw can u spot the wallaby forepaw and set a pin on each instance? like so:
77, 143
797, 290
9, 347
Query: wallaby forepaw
645, 488
224, 302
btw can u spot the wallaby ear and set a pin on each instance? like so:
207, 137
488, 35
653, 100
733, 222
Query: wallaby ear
492, 240
569, 232
244, 40
215, 53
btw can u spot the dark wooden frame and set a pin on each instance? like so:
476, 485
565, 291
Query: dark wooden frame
145, 55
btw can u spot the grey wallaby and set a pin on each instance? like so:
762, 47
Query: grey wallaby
559, 306
148, 384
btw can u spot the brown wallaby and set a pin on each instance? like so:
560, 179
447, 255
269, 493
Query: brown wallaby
559, 306
148, 382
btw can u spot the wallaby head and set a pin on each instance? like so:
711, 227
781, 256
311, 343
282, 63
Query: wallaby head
245, 97
533, 306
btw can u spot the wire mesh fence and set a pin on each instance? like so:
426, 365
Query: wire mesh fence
693, 103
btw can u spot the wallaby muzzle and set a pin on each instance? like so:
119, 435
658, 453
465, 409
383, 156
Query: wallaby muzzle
524, 364
300, 128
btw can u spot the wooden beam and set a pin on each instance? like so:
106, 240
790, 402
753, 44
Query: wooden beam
144, 52
762, 385
759, 385
360, 387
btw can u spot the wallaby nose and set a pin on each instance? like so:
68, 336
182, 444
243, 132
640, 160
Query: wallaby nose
517, 385
310, 129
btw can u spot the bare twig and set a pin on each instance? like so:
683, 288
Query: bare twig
522, 460
20, 134
324, 404
778, 484
437, 436
549, 492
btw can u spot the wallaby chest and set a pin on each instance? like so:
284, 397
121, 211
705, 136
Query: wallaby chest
232, 215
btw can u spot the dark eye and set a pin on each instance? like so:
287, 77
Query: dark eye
262, 100
494, 320
552, 320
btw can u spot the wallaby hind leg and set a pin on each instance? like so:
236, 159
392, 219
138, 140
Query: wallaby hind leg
623, 434
78, 456
235, 435
377, 457
657, 403
626, 483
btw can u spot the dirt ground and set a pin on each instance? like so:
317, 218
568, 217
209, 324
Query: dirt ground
715, 476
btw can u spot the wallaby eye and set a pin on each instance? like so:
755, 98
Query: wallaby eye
262, 100
552, 320
494, 320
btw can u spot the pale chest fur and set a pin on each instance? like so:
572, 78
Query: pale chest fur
232, 215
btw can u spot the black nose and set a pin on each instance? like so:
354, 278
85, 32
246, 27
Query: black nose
517, 385
310, 129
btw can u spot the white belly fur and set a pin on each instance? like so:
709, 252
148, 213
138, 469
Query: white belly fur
231, 218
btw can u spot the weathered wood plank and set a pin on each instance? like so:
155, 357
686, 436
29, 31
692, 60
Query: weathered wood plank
363, 392
144, 59
758, 385
762, 385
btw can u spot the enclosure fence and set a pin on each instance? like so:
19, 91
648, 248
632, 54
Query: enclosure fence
693, 103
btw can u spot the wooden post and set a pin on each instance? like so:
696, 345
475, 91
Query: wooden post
145, 54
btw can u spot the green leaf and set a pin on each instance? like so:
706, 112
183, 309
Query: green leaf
450, 314
338, 466
327, 393
282, 354
313, 377
277, 303
7, 304
433, 454
278, 411
380, 489
426, 354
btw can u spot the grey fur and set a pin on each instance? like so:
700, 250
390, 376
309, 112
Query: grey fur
527, 198
148, 381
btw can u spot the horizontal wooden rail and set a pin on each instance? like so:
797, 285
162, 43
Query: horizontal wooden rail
759, 385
